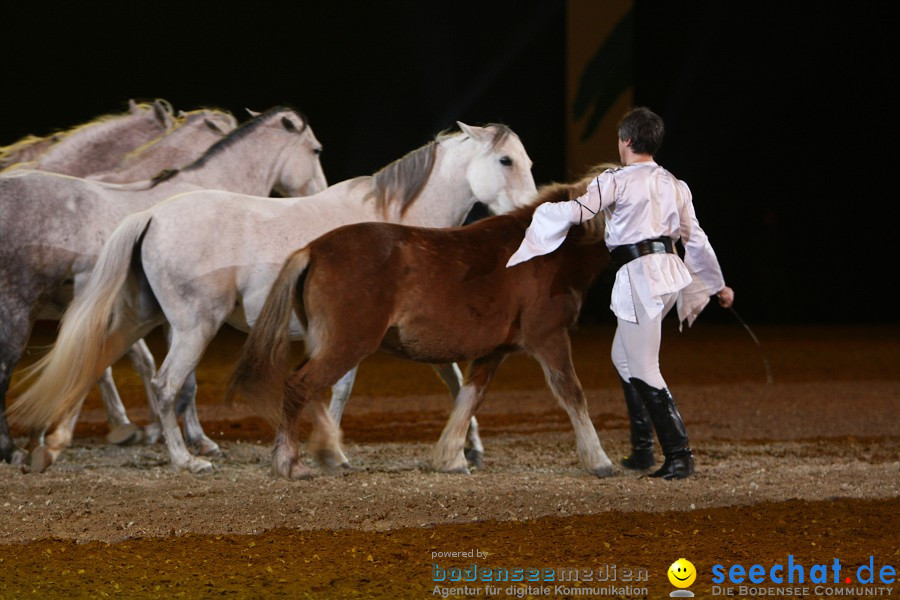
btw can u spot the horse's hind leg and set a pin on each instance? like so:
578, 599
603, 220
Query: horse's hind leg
182, 358
121, 430
14, 331
453, 378
46, 451
449, 455
8, 449
186, 405
125, 433
555, 356
307, 383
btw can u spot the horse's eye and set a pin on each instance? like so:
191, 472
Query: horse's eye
506, 161
317, 151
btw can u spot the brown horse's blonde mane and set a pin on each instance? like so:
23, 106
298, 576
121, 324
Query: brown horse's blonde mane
402, 180
592, 229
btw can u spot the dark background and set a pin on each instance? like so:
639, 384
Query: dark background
779, 116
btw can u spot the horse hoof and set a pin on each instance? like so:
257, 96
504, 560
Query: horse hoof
17, 457
199, 466
41, 459
330, 460
208, 447
463, 470
604, 471
125, 435
300, 472
474, 457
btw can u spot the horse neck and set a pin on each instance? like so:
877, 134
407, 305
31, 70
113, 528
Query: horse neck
185, 143
446, 197
247, 167
100, 146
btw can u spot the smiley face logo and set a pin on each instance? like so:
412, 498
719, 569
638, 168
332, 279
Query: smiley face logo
682, 573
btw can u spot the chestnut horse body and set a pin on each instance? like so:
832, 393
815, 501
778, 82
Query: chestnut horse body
429, 295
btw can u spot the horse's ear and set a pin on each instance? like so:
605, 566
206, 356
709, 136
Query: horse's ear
163, 112
476, 133
213, 126
252, 113
133, 107
288, 124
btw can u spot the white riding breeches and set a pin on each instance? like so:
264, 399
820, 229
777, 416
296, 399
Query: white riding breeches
635, 347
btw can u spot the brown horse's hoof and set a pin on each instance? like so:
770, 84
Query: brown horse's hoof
125, 435
41, 459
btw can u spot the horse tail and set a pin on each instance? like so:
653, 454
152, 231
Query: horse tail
260, 372
65, 375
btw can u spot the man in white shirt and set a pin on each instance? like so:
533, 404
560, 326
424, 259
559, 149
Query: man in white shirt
646, 209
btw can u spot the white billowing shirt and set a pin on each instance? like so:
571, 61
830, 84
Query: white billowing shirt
640, 201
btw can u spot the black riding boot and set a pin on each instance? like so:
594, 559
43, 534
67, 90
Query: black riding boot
641, 456
670, 429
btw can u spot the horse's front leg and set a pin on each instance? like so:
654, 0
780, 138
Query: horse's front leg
340, 393
449, 454
453, 379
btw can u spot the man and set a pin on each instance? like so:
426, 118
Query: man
646, 210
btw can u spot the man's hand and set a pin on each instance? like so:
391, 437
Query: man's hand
726, 297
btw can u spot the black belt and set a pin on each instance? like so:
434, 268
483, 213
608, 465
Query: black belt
627, 253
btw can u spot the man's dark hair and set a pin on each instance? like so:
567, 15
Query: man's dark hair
644, 128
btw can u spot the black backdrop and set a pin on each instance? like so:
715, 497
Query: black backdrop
778, 114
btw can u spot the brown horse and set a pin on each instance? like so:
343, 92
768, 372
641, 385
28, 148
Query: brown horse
429, 295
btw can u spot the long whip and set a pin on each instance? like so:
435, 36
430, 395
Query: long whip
769, 378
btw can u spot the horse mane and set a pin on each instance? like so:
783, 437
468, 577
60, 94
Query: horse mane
9, 154
242, 131
60, 135
183, 118
402, 180
590, 231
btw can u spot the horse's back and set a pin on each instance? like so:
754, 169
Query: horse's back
443, 295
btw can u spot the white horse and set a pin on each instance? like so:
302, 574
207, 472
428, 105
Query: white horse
196, 131
179, 141
52, 228
208, 257
100, 144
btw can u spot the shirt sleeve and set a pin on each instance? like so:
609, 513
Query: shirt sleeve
700, 259
551, 221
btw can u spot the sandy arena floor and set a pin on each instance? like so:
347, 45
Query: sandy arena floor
807, 466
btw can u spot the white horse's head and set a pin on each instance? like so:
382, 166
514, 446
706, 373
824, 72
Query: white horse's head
299, 170
500, 170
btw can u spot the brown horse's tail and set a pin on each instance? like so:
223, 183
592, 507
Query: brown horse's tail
83, 349
261, 371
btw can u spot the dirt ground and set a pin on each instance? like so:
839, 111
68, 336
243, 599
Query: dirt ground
807, 466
